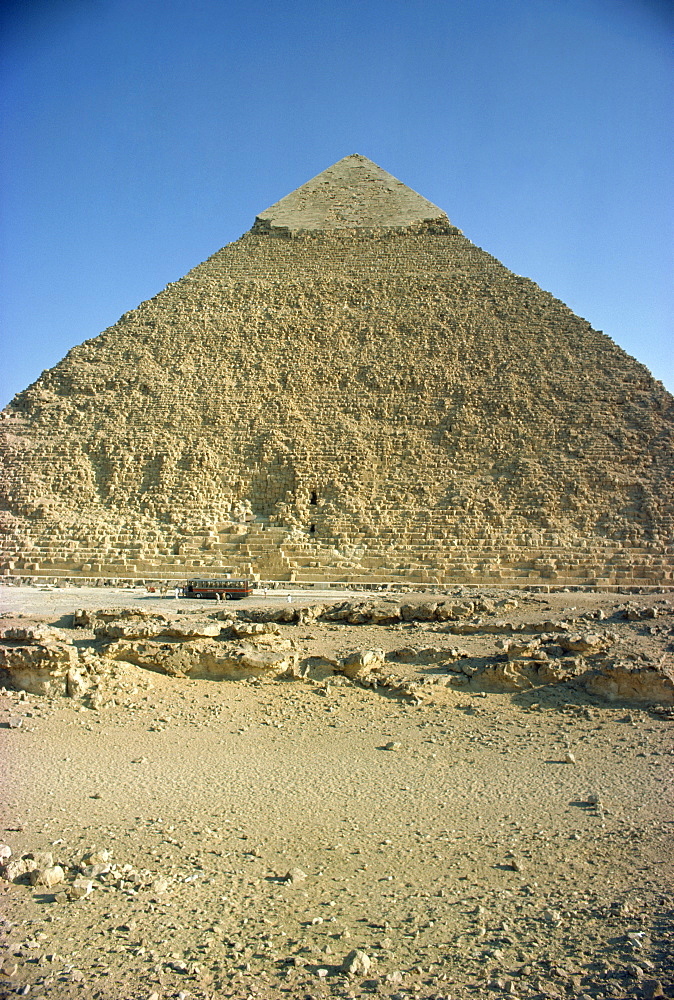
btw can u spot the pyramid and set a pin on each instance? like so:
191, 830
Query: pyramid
352, 194
350, 392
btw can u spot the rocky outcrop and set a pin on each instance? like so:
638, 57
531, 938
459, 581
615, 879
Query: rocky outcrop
34, 635
363, 613
156, 629
568, 653
84, 618
537, 664
201, 658
383, 611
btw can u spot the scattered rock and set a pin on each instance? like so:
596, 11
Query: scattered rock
15, 871
101, 856
295, 876
651, 989
552, 917
47, 876
79, 889
356, 963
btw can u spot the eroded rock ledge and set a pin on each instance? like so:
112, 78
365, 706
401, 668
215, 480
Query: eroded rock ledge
579, 653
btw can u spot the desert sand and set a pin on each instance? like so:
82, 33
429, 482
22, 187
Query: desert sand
282, 837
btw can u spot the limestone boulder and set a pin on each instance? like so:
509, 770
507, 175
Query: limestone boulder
523, 674
17, 869
78, 682
244, 630
403, 654
521, 649
470, 628
424, 654
310, 613
340, 612
550, 625
560, 671
127, 630
191, 630
483, 605
514, 675
38, 668
586, 643
48, 876
635, 614
256, 662
287, 614
356, 963
424, 612
456, 610
361, 662
620, 680
372, 613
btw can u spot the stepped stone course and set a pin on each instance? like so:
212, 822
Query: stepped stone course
352, 391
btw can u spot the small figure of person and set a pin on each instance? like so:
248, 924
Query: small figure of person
290, 598
177, 592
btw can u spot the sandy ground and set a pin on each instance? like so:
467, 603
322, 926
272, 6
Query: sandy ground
259, 832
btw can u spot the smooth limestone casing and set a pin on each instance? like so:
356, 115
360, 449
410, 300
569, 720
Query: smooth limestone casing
364, 404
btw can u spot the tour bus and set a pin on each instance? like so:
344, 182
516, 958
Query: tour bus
231, 590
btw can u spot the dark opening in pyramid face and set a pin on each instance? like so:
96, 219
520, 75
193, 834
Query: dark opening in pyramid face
350, 391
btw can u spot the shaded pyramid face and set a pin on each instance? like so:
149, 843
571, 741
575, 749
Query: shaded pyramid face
350, 391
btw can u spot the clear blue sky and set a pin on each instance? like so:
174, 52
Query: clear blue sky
141, 135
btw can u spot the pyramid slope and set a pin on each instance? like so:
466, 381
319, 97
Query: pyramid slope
352, 194
341, 407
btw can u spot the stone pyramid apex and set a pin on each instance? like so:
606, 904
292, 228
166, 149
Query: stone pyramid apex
353, 193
